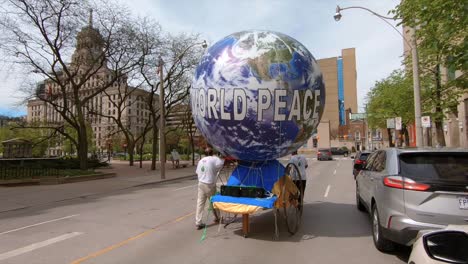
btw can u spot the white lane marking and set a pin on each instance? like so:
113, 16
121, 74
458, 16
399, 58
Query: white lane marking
38, 245
41, 223
334, 173
186, 187
326, 192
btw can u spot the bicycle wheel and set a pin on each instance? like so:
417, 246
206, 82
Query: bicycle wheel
292, 203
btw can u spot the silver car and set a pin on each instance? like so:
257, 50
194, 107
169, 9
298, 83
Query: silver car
407, 190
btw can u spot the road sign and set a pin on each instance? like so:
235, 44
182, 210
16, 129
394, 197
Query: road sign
426, 121
398, 123
391, 123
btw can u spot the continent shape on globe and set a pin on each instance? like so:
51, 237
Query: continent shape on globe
257, 95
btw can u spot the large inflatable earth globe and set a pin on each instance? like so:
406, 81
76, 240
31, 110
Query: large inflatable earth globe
257, 95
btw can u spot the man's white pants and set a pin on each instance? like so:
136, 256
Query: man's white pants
205, 191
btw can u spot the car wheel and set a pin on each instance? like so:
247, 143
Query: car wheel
359, 204
380, 242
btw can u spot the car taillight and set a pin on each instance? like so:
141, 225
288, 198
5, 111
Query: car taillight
359, 161
404, 183
319, 153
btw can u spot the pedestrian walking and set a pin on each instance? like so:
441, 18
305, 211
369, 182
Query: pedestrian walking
207, 171
175, 158
301, 162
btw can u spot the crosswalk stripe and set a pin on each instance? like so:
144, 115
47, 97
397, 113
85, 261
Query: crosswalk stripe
38, 245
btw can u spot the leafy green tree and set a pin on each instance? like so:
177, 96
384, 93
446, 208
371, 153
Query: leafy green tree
41, 139
389, 98
441, 38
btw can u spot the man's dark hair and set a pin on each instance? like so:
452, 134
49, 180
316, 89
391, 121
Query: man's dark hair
209, 151
294, 152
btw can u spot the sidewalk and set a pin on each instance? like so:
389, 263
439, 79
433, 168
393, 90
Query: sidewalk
14, 198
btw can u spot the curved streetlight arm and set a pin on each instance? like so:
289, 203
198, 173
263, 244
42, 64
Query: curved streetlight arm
338, 9
384, 18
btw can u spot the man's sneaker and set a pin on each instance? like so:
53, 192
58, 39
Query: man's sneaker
200, 226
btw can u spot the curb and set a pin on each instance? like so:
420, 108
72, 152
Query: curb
19, 182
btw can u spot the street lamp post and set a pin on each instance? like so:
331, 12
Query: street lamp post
162, 119
415, 62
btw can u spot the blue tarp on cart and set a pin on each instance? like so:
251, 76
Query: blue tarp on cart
262, 174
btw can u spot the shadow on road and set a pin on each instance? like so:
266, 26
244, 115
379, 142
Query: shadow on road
320, 219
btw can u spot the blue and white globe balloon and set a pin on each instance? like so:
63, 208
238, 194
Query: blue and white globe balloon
257, 95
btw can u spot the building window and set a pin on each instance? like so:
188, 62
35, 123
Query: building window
357, 135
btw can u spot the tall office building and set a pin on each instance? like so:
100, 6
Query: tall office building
339, 75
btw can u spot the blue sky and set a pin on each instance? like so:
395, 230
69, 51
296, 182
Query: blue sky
378, 46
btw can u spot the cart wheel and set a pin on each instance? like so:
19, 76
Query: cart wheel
293, 207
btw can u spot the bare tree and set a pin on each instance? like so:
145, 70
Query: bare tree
180, 54
42, 37
188, 126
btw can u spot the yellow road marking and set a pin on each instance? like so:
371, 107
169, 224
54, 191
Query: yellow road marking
128, 240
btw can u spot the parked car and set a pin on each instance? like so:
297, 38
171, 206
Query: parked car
359, 161
408, 190
444, 246
340, 151
324, 154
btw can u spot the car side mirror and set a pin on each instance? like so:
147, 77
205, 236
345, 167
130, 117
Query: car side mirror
447, 246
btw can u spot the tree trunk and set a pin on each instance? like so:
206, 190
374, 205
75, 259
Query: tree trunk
83, 147
390, 138
82, 135
192, 145
406, 134
131, 152
155, 147
440, 133
440, 139
141, 150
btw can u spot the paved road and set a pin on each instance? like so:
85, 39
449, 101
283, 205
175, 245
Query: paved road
155, 224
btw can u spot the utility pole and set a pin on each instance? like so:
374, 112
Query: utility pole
162, 119
416, 90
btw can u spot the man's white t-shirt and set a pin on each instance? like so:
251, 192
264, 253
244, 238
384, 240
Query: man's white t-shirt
175, 155
207, 169
301, 164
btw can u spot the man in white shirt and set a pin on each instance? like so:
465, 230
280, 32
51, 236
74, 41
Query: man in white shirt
301, 162
175, 158
207, 171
